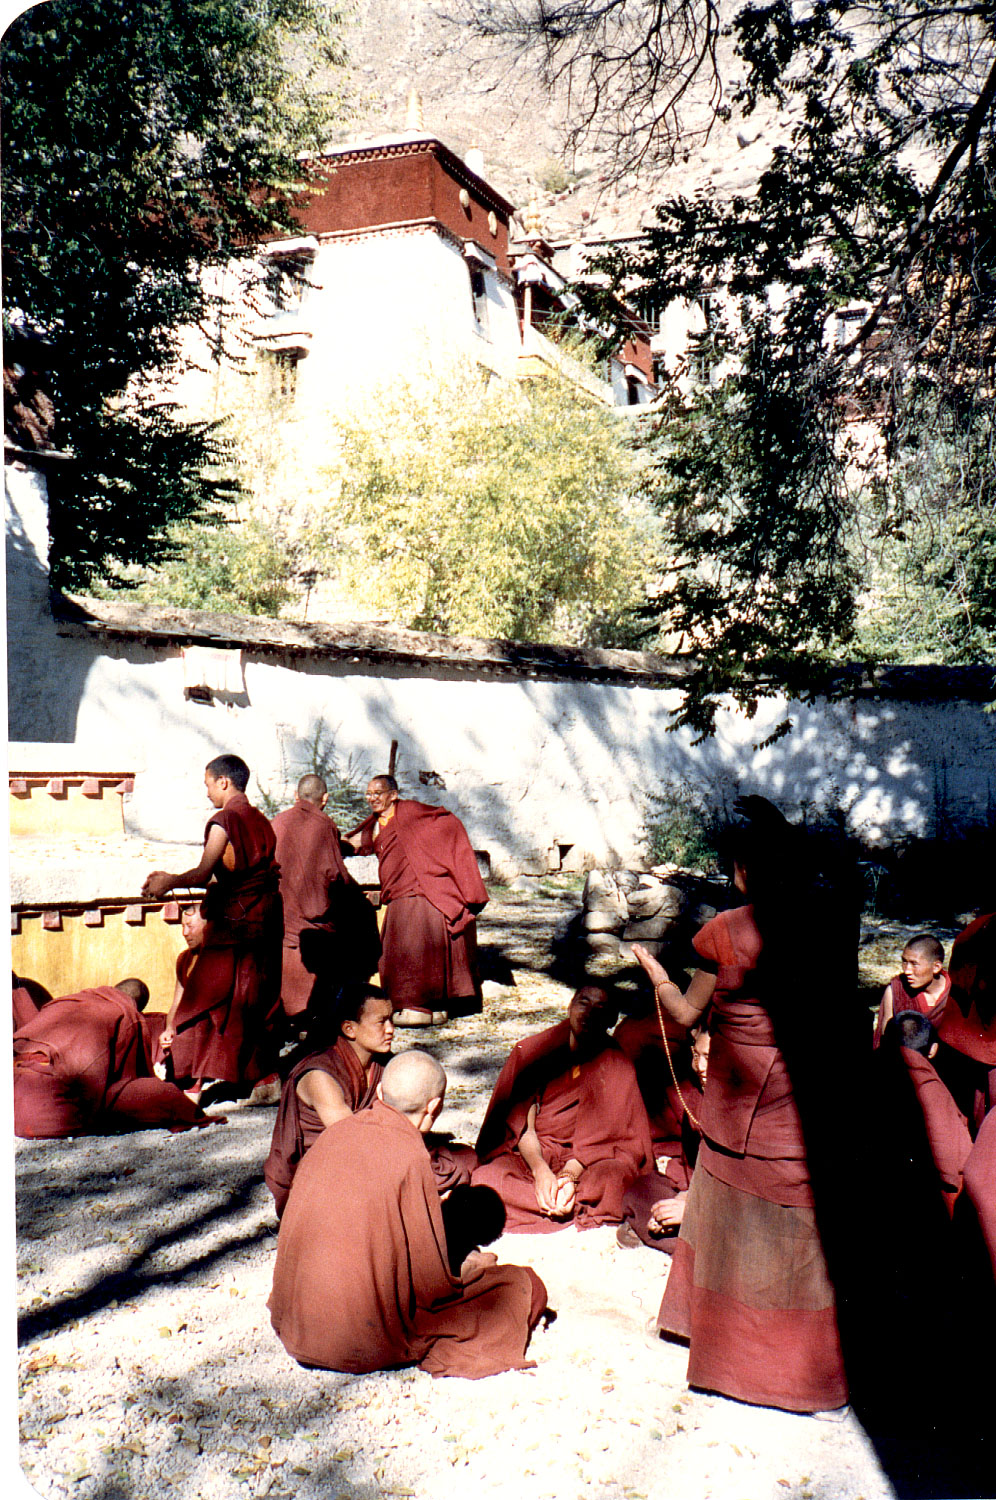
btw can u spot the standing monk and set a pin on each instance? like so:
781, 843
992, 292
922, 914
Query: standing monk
566, 1131
216, 1027
432, 891
330, 929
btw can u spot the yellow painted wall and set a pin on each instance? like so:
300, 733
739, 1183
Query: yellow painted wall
37, 811
80, 957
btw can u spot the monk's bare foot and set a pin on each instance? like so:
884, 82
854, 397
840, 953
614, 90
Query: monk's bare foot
415, 1018
628, 1237
266, 1091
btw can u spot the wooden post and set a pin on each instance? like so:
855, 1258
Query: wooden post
392, 758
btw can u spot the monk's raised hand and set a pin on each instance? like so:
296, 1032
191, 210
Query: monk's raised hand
655, 972
166, 1038
157, 884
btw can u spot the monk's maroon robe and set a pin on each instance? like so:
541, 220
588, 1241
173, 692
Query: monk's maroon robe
231, 985
903, 998
431, 889
640, 1039
749, 1286
947, 1128
589, 1109
672, 1176
298, 1126
82, 1066
980, 1183
362, 1280
330, 929
967, 1032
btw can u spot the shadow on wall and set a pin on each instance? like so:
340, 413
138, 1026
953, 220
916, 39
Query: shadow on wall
46, 676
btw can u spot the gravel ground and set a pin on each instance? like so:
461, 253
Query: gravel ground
148, 1367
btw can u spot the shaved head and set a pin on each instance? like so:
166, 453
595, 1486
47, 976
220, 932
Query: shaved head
135, 989
926, 943
311, 788
410, 1080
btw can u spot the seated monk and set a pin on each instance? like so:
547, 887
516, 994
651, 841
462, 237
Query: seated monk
330, 1085
362, 1280
82, 1067
640, 1038
654, 1205
566, 1131
922, 985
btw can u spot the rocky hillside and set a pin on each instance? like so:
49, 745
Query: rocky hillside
475, 94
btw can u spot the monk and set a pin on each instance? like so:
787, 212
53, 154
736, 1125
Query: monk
432, 891
362, 1280
654, 1205
966, 1058
566, 1131
217, 1028
27, 999
328, 1086
330, 928
911, 1035
82, 1067
923, 984
640, 1038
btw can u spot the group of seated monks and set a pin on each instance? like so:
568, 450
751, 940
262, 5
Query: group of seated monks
667, 1128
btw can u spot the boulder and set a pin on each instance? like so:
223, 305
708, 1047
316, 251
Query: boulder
613, 903
652, 928
603, 942
646, 903
604, 921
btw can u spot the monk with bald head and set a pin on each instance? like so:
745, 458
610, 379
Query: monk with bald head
362, 1278
330, 928
566, 1131
83, 1066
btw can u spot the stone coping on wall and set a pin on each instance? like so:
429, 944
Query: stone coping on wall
363, 642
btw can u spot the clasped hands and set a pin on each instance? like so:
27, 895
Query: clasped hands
556, 1192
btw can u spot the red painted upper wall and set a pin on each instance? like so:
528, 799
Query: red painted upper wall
373, 186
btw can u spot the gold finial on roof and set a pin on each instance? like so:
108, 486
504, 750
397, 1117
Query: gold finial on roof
532, 223
415, 119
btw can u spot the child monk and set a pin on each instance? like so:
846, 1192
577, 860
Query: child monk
922, 985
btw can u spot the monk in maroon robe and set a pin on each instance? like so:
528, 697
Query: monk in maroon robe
432, 890
566, 1131
922, 985
27, 999
749, 1286
640, 1038
654, 1205
362, 1279
218, 1026
328, 1086
330, 929
912, 1036
966, 1059
980, 1183
82, 1067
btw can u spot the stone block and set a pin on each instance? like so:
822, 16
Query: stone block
652, 928
604, 921
603, 942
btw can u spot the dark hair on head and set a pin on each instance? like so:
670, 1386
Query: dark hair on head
135, 989
311, 788
927, 944
908, 1028
232, 766
473, 1215
352, 1000
388, 781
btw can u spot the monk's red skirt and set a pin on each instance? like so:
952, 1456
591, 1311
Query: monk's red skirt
749, 1289
423, 965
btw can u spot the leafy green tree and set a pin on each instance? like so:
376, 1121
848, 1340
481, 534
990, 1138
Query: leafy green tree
236, 567
145, 143
880, 194
499, 514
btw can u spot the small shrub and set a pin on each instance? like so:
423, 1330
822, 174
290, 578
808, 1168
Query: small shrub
680, 827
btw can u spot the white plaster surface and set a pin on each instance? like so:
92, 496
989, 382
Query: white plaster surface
528, 763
